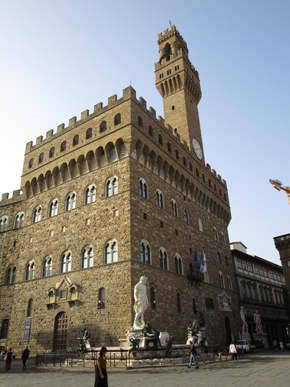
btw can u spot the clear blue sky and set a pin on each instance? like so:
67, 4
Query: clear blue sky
61, 57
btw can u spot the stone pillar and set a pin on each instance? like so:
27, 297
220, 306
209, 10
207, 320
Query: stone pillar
282, 244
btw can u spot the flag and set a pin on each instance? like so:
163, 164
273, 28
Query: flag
196, 261
203, 262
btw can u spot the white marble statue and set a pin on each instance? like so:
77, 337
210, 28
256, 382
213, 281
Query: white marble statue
257, 321
141, 303
243, 317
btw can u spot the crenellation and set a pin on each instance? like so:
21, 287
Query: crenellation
16, 193
143, 102
129, 92
98, 107
219, 177
85, 114
72, 121
213, 172
28, 147
49, 134
60, 128
169, 128
152, 111
161, 119
208, 167
39, 140
5, 196
112, 100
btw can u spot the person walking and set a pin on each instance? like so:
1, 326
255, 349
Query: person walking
101, 378
192, 354
25, 356
275, 345
233, 351
281, 346
8, 360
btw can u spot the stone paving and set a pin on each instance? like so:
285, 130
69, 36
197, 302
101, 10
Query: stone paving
264, 369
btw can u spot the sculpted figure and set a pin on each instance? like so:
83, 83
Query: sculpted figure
257, 321
243, 317
141, 303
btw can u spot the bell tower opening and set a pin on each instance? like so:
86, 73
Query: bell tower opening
178, 83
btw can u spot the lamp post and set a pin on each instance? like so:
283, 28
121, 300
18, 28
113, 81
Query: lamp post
278, 186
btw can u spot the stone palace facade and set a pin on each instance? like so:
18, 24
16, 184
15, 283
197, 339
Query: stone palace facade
118, 194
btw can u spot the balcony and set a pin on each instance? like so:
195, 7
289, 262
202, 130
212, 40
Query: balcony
194, 276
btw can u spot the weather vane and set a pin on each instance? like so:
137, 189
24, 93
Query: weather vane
170, 22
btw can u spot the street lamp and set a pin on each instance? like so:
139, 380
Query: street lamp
278, 186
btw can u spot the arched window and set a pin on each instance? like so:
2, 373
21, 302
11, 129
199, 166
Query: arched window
178, 264
174, 208
53, 208
30, 164
215, 234
112, 186
87, 258
40, 158
51, 152
63, 146
145, 252
160, 139
76, 140
178, 302
89, 133
117, 119
11, 275
163, 263
177, 154
90, 196
101, 298
47, 267
111, 252
36, 215
103, 126
221, 278
159, 199
152, 298
140, 121
29, 271
230, 283
185, 216
223, 239
143, 188
150, 130
19, 220
30, 308
200, 225
3, 223
66, 262
70, 202
218, 258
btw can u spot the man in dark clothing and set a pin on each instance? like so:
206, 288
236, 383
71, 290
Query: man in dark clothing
25, 356
192, 353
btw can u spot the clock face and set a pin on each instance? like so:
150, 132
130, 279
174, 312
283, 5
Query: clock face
197, 148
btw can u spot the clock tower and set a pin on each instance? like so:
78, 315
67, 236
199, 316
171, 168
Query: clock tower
178, 83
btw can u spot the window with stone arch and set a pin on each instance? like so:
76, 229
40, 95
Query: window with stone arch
89, 133
101, 298
47, 267
221, 279
185, 216
178, 264
145, 252
153, 296
174, 209
51, 152
200, 225
111, 186
36, 215
218, 258
53, 208
111, 251
40, 158
30, 164
159, 199
76, 140
90, 194
70, 201
163, 259
63, 146
143, 188
19, 220
223, 238
103, 126
29, 308
178, 302
29, 270
87, 257
11, 275
215, 234
117, 119
230, 287
3, 223
66, 262
140, 121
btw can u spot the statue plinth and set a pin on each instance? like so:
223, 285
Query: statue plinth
261, 337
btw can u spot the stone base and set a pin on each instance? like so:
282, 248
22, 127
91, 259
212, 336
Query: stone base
246, 336
263, 338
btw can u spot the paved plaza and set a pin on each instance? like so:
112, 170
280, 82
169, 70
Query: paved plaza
264, 369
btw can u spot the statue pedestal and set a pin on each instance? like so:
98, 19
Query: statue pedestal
246, 336
263, 338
